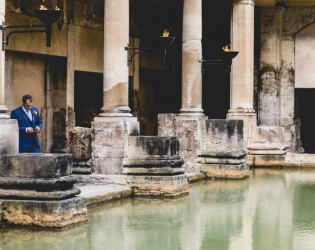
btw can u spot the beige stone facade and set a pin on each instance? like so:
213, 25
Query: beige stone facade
83, 79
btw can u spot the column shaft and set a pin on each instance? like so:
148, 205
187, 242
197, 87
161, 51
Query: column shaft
3, 108
242, 75
116, 38
191, 54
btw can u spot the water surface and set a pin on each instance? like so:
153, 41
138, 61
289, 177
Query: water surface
273, 209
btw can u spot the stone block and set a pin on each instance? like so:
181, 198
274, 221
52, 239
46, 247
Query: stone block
107, 165
159, 186
269, 161
153, 155
221, 154
9, 136
108, 139
80, 143
29, 165
50, 214
166, 124
220, 135
225, 171
38, 184
152, 146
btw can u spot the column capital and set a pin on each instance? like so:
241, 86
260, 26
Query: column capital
249, 2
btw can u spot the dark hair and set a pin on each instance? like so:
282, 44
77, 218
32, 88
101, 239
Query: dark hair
27, 97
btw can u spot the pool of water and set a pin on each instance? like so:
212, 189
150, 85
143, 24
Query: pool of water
273, 209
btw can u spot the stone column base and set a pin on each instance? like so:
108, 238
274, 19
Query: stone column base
9, 136
188, 129
159, 186
109, 139
50, 214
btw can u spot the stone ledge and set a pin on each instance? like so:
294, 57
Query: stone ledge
194, 177
159, 186
32, 194
38, 184
102, 179
222, 171
50, 214
103, 193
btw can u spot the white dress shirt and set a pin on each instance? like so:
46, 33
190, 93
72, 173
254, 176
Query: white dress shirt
28, 113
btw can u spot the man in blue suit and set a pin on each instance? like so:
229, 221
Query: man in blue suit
30, 124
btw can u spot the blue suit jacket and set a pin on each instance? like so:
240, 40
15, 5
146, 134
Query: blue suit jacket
27, 140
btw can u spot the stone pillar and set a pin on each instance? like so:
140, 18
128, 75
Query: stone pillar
116, 38
70, 115
9, 133
242, 75
47, 113
110, 131
191, 54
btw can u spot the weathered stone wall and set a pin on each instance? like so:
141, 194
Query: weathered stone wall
278, 57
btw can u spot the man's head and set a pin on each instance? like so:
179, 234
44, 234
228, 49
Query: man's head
27, 101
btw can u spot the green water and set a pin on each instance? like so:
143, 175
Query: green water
272, 210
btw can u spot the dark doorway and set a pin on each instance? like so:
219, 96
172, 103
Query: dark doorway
159, 79
305, 106
216, 23
88, 97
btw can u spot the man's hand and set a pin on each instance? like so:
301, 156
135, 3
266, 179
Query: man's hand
29, 130
37, 129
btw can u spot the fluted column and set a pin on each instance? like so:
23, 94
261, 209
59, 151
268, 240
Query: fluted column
242, 75
3, 108
116, 38
191, 54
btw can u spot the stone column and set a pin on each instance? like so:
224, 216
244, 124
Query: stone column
191, 54
111, 129
116, 38
187, 125
9, 134
242, 75
3, 108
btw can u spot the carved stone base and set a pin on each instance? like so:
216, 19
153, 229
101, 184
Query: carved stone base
51, 214
159, 186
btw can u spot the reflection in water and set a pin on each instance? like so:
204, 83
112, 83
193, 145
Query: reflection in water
274, 209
